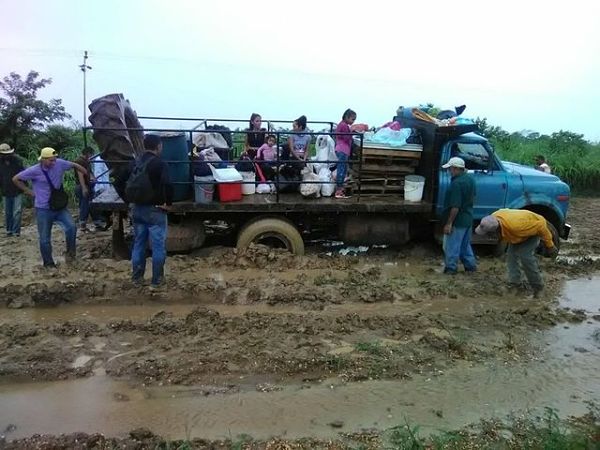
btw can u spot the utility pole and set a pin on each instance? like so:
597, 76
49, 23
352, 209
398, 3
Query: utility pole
84, 68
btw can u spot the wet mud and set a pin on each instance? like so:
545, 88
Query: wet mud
266, 325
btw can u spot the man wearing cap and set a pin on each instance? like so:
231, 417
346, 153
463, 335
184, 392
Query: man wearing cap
44, 177
522, 230
457, 218
10, 165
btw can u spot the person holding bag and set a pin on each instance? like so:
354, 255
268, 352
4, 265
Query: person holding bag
51, 200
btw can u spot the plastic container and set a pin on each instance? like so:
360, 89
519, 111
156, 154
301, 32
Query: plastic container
229, 188
249, 185
227, 175
175, 150
413, 188
204, 189
230, 192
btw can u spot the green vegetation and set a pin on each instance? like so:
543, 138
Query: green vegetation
373, 348
28, 124
571, 157
547, 432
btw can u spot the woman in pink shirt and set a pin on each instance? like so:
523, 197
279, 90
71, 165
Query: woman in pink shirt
343, 148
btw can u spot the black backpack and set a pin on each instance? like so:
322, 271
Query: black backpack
139, 188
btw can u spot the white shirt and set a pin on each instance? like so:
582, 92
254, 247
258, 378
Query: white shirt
100, 170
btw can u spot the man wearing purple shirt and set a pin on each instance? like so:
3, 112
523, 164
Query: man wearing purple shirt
50, 168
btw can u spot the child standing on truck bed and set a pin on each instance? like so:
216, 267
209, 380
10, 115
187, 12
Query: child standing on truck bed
343, 147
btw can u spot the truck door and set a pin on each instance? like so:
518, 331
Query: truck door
486, 169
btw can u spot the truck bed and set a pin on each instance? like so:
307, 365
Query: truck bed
294, 202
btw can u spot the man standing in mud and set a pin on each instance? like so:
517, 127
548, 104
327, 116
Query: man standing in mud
10, 165
458, 218
50, 201
522, 230
150, 192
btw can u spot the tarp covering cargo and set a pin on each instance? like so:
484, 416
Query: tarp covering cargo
114, 111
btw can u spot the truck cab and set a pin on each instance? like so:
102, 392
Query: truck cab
502, 184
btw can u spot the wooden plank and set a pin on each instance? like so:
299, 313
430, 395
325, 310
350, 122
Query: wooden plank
379, 168
390, 153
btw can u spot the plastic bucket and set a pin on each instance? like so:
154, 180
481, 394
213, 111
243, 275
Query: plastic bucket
413, 188
249, 185
204, 189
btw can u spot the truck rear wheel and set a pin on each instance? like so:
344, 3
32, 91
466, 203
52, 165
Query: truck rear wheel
274, 232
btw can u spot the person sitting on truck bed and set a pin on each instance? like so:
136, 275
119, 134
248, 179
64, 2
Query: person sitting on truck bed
255, 136
298, 143
458, 218
266, 157
522, 230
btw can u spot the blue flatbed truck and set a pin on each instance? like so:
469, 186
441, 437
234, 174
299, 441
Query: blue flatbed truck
285, 219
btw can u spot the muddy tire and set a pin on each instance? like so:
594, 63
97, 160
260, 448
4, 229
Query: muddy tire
555, 236
272, 231
186, 236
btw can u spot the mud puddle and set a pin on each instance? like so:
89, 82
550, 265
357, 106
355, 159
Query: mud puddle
105, 313
563, 376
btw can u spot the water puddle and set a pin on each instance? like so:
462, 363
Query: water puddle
582, 294
459, 396
564, 376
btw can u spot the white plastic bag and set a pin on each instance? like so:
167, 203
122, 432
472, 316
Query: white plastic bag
209, 154
391, 137
265, 188
209, 139
325, 147
327, 186
310, 189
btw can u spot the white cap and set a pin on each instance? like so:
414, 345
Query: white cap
454, 162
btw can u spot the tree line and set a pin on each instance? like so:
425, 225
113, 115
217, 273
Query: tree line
28, 124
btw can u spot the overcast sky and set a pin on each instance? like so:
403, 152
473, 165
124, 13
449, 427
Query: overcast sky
522, 64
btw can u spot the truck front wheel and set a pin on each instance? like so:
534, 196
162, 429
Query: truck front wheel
274, 232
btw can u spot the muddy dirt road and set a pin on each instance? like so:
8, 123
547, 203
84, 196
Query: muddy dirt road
269, 344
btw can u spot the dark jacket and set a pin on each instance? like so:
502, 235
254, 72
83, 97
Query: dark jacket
158, 173
10, 165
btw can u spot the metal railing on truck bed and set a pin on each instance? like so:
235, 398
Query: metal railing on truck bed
272, 202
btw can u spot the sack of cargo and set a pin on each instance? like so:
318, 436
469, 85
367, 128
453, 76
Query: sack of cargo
310, 187
327, 182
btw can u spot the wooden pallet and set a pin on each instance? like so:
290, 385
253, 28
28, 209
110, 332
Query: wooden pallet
392, 154
381, 170
372, 185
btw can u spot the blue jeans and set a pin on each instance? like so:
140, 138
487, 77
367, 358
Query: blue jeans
45, 219
84, 206
341, 169
457, 245
12, 215
525, 254
149, 222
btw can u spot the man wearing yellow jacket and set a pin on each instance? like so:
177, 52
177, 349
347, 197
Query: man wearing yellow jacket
522, 230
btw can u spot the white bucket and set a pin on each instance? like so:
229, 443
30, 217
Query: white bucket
413, 188
204, 188
247, 187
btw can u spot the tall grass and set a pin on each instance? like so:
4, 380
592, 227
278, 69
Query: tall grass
575, 160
